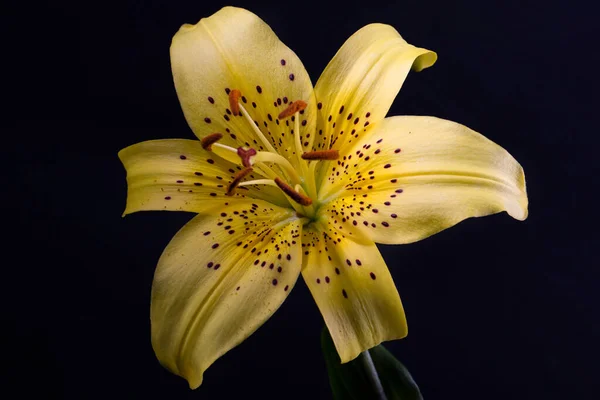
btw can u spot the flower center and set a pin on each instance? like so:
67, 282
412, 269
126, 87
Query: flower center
294, 177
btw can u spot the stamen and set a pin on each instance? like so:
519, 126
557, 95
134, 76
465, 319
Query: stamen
321, 155
292, 109
209, 140
266, 157
234, 97
297, 197
257, 131
245, 155
268, 182
237, 178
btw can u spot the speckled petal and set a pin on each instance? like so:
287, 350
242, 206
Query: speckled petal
353, 289
415, 176
179, 175
221, 277
234, 49
360, 83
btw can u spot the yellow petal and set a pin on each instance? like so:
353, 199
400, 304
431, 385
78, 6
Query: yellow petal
179, 175
221, 277
415, 176
353, 290
360, 83
234, 49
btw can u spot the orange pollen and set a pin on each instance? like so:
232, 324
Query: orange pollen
245, 155
321, 155
297, 197
234, 98
208, 140
292, 109
237, 178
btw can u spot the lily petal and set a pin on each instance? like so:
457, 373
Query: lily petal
179, 175
221, 277
415, 176
234, 49
360, 83
354, 291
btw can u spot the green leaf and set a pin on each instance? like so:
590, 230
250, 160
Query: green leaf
363, 379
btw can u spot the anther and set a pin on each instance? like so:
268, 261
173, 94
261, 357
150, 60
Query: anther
234, 98
245, 155
208, 140
292, 109
296, 196
321, 155
237, 178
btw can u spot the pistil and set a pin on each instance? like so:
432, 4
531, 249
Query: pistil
274, 158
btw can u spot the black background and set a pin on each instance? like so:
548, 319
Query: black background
497, 309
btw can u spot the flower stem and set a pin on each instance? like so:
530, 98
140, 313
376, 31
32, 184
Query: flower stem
372, 374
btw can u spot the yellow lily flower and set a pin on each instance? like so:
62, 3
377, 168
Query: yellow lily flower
289, 180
